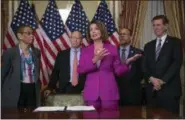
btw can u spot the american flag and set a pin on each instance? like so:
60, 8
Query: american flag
53, 32
25, 16
77, 20
103, 14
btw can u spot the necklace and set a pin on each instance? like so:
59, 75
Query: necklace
28, 60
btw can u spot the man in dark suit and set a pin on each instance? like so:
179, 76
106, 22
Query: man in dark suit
162, 63
130, 85
65, 69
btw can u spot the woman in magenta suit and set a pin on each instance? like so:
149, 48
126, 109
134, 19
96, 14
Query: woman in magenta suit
101, 62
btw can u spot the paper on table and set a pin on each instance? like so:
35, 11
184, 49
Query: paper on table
80, 108
49, 108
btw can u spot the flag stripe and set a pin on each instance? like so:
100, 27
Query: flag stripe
64, 42
43, 57
50, 60
44, 81
68, 31
114, 40
49, 42
59, 42
77, 21
6, 43
57, 45
12, 34
40, 46
111, 42
116, 35
11, 41
66, 38
49, 49
4, 47
85, 42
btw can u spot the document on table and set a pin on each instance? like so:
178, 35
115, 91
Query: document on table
49, 108
80, 108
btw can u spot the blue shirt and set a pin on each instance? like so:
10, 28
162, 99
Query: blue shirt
127, 49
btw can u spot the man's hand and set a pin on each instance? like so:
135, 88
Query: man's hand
47, 93
157, 83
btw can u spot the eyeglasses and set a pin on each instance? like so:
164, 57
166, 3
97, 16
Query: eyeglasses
28, 33
75, 38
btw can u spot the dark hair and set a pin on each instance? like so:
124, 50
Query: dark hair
127, 29
163, 17
102, 28
20, 29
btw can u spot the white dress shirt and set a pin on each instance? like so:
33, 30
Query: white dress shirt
163, 38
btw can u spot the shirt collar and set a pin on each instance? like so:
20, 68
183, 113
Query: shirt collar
75, 49
125, 47
163, 38
30, 50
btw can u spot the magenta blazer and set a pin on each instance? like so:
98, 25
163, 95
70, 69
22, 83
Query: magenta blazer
100, 81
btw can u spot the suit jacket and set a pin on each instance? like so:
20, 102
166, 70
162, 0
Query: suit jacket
167, 67
100, 81
130, 84
11, 76
61, 72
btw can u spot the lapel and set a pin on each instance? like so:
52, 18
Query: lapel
17, 59
36, 61
67, 60
164, 47
119, 52
131, 52
152, 50
101, 61
105, 45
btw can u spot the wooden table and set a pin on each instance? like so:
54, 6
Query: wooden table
130, 112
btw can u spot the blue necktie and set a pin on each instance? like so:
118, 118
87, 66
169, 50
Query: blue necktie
123, 55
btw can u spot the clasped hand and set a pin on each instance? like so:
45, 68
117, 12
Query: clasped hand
157, 83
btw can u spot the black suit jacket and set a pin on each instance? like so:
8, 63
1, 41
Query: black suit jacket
166, 67
61, 72
130, 84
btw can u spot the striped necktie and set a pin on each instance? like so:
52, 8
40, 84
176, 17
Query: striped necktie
158, 49
123, 55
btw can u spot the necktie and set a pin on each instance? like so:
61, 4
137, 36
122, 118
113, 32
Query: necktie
123, 55
158, 49
75, 74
